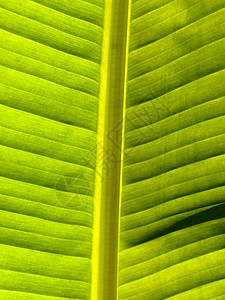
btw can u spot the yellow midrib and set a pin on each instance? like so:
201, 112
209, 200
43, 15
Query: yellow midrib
108, 168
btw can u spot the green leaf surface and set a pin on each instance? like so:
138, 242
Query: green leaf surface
50, 79
112, 142
172, 204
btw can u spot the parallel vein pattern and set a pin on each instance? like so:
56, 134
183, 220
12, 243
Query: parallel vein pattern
50, 61
172, 224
